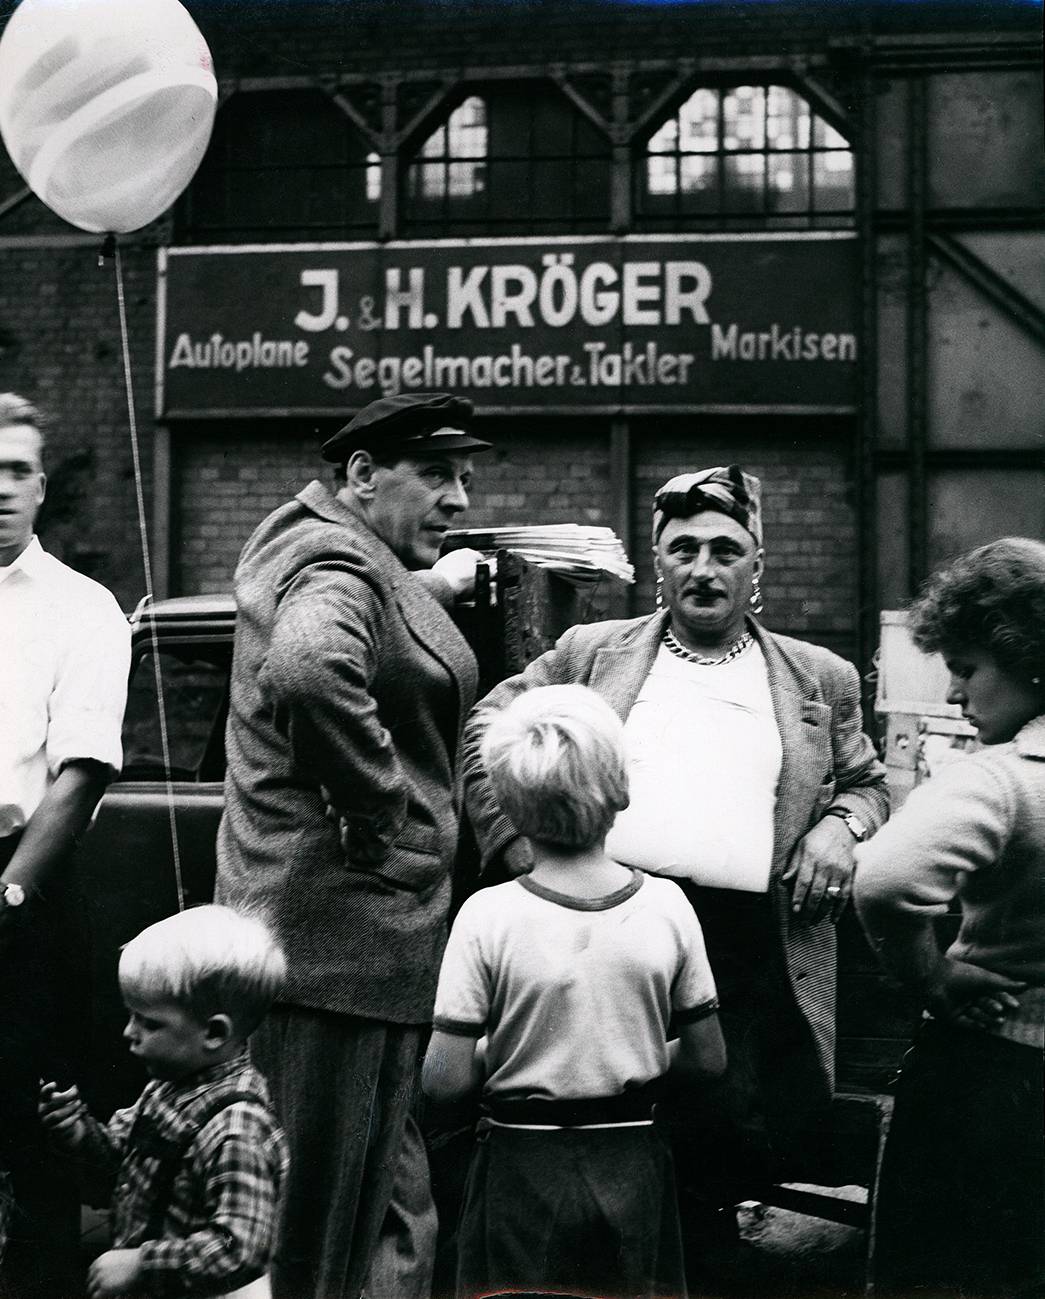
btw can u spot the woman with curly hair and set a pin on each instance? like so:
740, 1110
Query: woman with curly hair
961, 1194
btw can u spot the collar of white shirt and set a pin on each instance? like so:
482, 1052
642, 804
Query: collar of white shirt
31, 561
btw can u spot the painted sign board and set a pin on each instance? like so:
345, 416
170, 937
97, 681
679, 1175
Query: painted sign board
715, 322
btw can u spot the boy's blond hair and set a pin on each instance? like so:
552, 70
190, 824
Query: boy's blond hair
210, 960
556, 761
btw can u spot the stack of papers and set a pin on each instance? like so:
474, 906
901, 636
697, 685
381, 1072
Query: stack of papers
573, 550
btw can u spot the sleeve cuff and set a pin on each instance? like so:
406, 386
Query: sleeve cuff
458, 1028
695, 1013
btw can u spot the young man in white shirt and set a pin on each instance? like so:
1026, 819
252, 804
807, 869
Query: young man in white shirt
64, 659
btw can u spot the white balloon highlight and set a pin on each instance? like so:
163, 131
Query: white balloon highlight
106, 106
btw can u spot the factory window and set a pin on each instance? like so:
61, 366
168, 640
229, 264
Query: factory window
451, 164
756, 152
516, 157
282, 165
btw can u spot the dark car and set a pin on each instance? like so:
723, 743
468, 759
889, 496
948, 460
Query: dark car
131, 874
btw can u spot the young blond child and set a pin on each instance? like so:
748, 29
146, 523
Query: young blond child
573, 975
199, 1159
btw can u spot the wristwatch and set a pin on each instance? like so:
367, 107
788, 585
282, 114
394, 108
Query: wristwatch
853, 824
12, 894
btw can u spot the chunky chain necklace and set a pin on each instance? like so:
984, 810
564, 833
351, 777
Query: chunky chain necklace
734, 651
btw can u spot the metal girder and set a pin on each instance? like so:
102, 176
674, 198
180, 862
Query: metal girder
671, 91
994, 287
826, 104
449, 85
579, 101
357, 119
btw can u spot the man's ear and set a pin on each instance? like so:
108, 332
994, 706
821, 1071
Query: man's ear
359, 473
218, 1030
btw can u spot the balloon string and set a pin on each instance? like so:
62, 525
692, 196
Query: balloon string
147, 561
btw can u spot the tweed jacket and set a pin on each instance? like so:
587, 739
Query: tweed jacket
350, 686
827, 763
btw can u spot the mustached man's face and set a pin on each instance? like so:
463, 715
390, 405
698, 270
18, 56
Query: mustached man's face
708, 564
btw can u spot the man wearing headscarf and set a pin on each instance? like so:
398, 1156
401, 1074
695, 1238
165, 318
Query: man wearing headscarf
751, 782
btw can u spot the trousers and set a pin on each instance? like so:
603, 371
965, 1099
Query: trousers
43, 1026
358, 1214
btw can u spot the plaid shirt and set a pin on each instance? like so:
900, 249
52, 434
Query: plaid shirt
220, 1221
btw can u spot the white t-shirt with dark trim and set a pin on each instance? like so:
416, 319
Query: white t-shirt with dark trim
574, 995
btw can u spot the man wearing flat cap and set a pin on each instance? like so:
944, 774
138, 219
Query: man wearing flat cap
751, 781
350, 684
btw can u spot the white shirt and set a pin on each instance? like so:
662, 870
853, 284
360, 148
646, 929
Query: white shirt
704, 759
65, 650
574, 996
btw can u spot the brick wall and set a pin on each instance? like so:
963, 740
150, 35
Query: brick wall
60, 347
228, 479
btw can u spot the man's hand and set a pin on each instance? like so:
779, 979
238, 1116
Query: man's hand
822, 871
970, 996
62, 1114
457, 569
115, 1272
518, 857
335, 818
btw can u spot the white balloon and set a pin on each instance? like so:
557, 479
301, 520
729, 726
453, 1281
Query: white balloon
106, 106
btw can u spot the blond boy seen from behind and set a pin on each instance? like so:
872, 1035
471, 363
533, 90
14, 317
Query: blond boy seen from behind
578, 976
199, 1159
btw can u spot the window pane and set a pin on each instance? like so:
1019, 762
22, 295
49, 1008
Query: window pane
744, 118
787, 119
193, 694
433, 180
466, 179
466, 129
662, 174
699, 183
666, 138
550, 125
833, 181
278, 161
591, 192
826, 137
435, 145
698, 119
788, 183
509, 184
373, 177
743, 181
552, 181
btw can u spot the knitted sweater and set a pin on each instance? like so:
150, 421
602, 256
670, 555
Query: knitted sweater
975, 833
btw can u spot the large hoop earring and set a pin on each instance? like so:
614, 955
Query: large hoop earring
756, 597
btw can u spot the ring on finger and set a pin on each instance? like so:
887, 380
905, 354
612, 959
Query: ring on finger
833, 890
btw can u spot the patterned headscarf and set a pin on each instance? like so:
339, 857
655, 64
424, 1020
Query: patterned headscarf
728, 490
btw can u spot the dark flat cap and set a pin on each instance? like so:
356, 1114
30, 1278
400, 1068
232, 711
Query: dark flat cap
432, 421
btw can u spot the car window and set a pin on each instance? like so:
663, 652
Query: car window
195, 692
